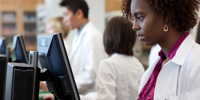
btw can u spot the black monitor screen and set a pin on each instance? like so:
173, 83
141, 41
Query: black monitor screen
2, 45
53, 57
19, 49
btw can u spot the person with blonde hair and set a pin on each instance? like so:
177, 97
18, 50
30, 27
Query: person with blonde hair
56, 25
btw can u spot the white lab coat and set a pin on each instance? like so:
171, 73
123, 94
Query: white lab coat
179, 78
67, 46
153, 55
118, 78
86, 53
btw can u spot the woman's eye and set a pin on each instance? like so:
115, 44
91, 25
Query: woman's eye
140, 18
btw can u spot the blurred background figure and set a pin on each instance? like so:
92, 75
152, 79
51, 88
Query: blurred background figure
119, 75
56, 25
87, 45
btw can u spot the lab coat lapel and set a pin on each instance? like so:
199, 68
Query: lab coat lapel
168, 81
78, 39
183, 50
167, 84
147, 74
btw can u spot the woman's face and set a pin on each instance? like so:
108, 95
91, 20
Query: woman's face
50, 29
147, 24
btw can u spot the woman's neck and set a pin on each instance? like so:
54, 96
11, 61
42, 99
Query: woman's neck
171, 37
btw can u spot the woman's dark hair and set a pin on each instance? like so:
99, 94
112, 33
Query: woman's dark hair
74, 5
119, 37
183, 13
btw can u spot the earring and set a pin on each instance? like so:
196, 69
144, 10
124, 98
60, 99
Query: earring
165, 28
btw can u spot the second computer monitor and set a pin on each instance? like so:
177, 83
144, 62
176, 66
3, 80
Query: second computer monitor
3, 45
53, 57
19, 49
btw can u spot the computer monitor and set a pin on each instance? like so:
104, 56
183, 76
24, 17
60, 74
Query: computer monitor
3, 45
4, 49
53, 57
19, 49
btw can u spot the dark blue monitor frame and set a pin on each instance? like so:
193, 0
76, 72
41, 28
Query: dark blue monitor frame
3, 45
53, 57
19, 49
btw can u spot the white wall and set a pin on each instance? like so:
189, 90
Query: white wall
53, 9
96, 14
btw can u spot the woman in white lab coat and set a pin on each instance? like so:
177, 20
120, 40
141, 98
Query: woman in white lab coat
175, 75
119, 75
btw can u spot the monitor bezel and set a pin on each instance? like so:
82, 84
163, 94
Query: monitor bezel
65, 62
3, 43
19, 38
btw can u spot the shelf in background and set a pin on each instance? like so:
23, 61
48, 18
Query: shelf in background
29, 22
8, 22
30, 35
19, 20
8, 17
31, 48
9, 35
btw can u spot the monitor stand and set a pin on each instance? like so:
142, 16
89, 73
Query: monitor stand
33, 62
8, 54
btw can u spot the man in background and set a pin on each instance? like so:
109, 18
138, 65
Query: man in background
87, 46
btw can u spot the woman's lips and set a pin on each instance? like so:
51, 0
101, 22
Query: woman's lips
141, 37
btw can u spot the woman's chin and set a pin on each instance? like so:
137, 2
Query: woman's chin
148, 44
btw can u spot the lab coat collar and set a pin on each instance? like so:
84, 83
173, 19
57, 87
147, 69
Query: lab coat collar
79, 31
178, 59
183, 50
117, 54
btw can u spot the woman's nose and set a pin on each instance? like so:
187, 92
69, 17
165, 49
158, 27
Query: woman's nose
135, 27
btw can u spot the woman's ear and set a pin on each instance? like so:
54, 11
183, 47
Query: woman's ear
168, 18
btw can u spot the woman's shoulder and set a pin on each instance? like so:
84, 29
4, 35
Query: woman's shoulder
194, 52
193, 57
120, 60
